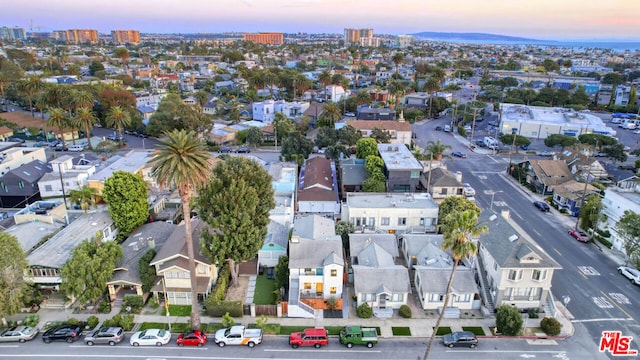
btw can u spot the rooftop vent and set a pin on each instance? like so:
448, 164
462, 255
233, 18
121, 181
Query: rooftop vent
493, 217
513, 237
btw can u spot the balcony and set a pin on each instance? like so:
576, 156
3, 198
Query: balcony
309, 294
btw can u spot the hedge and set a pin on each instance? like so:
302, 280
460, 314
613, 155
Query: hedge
219, 308
220, 290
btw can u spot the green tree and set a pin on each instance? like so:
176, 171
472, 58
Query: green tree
282, 272
254, 136
348, 135
590, 212
123, 54
202, 98
509, 320
296, 146
95, 67
376, 182
283, 126
597, 139
326, 137
633, 96
86, 118
183, 162
330, 115
520, 140
126, 196
147, 272
431, 86
118, 118
236, 203
366, 147
452, 205
13, 266
550, 65
612, 78
628, 227
85, 197
397, 59
437, 149
559, 139
580, 97
325, 79
615, 152
344, 228
90, 266
30, 87
461, 229
57, 119
382, 136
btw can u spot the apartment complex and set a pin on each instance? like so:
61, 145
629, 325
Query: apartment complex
269, 38
122, 37
76, 36
404, 41
14, 33
355, 36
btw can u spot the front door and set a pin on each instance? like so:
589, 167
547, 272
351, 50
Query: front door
319, 289
382, 303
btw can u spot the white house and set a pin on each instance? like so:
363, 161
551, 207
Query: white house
15, 157
65, 174
615, 202
316, 267
264, 111
335, 93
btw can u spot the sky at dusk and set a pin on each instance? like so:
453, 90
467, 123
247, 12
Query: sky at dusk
539, 19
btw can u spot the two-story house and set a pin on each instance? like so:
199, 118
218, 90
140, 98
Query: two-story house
391, 212
318, 187
19, 186
172, 266
513, 269
316, 267
65, 176
401, 168
400, 131
352, 175
366, 112
569, 195
625, 196
441, 184
545, 175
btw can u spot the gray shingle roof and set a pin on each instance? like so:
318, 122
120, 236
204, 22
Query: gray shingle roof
313, 253
436, 280
393, 279
388, 242
373, 255
314, 227
176, 244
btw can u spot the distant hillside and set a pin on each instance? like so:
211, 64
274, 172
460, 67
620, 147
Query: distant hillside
448, 36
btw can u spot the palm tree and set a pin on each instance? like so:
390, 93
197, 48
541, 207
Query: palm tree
85, 197
182, 161
57, 119
330, 115
397, 59
325, 79
363, 97
461, 228
437, 149
30, 87
118, 117
86, 119
396, 89
431, 86
4, 80
81, 99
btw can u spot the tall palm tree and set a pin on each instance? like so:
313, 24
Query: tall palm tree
86, 119
82, 99
119, 118
30, 87
182, 161
458, 236
330, 115
57, 119
4, 81
397, 59
437, 149
431, 86
325, 79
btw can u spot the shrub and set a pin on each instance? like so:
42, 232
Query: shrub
31, 320
134, 302
405, 311
364, 311
154, 302
220, 290
533, 313
105, 307
218, 309
73, 321
509, 320
92, 321
550, 326
227, 320
125, 322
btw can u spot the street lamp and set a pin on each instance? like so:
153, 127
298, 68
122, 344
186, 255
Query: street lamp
493, 194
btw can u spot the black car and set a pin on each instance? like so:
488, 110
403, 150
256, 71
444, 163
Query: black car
243, 150
460, 338
438, 128
68, 333
224, 150
541, 205
459, 154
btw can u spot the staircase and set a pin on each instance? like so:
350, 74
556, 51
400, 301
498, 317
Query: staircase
549, 306
484, 285
298, 308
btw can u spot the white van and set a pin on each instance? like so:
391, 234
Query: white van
76, 148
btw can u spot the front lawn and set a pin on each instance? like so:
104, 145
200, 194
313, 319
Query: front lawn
265, 288
443, 330
476, 330
178, 310
401, 331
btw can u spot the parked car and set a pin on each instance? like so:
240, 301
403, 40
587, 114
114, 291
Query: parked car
76, 148
438, 128
18, 333
579, 235
316, 337
356, 335
61, 147
447, 128
157, 337
630, 273
105, 335
143, 135
546, 153
460, 338
224, 150
459, 154
238, 335
468, 190
541, 205
16, 139
243, 150
68, 333
194, 338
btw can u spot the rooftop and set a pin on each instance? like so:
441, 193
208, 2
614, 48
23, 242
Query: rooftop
399, 200
398, 157
131, 163
551, 116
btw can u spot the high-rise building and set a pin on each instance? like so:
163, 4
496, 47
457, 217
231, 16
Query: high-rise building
353, 36
14, 33
122, 37
270, 38
404, 41
76, 36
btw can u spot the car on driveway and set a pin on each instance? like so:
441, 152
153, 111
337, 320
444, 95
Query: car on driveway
459, 154
154, 337
460, 338
579, 235
105, 335
68, 333
542, 206
18, 333
193, 338
630, 273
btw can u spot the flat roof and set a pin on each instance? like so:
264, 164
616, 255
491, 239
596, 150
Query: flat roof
56, 251
549, 115
398, 157
387, 200
130, 163
30, 233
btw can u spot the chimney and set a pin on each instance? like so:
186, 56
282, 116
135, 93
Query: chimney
505, 214
295, 239
459, 176
151, 242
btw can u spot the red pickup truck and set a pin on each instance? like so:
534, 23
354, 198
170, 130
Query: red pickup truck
316, 337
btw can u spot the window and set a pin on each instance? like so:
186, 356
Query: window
539, 275
515, 275
402, 221
397, 297
436, 298
332, 290
307, 286
372, 222
415, 174
463, 298
443, 191
334, 272
48, 188
384, 221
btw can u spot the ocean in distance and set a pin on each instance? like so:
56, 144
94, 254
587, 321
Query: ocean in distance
621, 46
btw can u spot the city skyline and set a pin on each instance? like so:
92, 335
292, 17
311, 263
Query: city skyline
544, 19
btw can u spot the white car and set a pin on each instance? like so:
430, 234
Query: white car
630, 273
468, 190
157, 337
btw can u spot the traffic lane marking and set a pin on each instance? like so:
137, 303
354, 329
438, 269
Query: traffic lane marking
618, 306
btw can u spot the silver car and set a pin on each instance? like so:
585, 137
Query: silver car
18, 333
630, 273
105, 335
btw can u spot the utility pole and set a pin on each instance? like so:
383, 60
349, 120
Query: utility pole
473, 125
584, 191
513, 133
